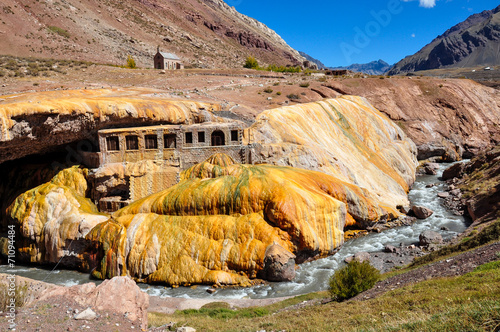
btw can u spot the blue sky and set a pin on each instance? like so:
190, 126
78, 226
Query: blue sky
332, 30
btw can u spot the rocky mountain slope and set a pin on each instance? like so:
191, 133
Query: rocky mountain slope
206, 33
474, 42
371, 68
313, 60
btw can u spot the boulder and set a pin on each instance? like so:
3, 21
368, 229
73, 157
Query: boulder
443, 195
87, 314
421, 212
390, 248
430, 237
359, 256
122, 295
185, 329
454, 171
279, 264
431, 168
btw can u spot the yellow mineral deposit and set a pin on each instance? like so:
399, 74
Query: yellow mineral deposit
345, 137
52, 215
224, 222
101, 105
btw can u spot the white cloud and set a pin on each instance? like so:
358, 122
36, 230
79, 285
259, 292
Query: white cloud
425, 3
413, 35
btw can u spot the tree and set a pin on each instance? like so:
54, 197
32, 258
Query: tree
131, 62
251, 63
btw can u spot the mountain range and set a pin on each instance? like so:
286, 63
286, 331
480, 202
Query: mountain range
372, 68
204, 33
473, 42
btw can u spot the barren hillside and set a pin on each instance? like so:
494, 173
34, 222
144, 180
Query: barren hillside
205, 33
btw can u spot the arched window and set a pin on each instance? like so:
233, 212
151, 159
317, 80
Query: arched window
218, 138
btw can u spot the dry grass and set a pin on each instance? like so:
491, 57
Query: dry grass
466, 303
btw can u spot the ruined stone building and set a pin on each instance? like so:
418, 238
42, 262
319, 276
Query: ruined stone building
168, 61
133, 163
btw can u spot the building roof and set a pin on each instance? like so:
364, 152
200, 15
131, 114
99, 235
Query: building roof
170, 56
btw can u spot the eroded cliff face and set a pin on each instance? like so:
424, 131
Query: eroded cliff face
41, 122
54, 218
345, 137
449, 118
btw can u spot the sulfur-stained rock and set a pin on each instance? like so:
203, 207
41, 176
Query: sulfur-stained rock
345, 137
184, 250
54, 218
32, 123
224, 218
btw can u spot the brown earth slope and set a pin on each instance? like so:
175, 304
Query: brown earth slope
205, 33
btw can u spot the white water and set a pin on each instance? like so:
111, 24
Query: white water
311, 276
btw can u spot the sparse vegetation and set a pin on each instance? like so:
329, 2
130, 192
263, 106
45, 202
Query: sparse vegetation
352, 279
464, 303
131, 62
268, 90
60, 31
293, 96
20, 296
251, 63
304, 85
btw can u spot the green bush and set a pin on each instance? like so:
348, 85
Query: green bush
304, 85
61, 32
130, 62
251, 63
352, 279
268, 90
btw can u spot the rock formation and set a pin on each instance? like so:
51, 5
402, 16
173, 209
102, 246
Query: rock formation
227, 223
53, 220
345, 137
41, 122
450, 118
479, 181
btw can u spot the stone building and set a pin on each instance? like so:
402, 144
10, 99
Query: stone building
168, 61
133, 163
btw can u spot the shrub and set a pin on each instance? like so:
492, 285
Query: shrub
352, 279
130, 62
20, 294
293, 96
268, 90
61, 32
278, 93
251, 63
304, 85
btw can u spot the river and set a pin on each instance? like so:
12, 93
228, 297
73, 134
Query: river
312, 276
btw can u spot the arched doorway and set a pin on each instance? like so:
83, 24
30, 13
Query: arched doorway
218, 138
